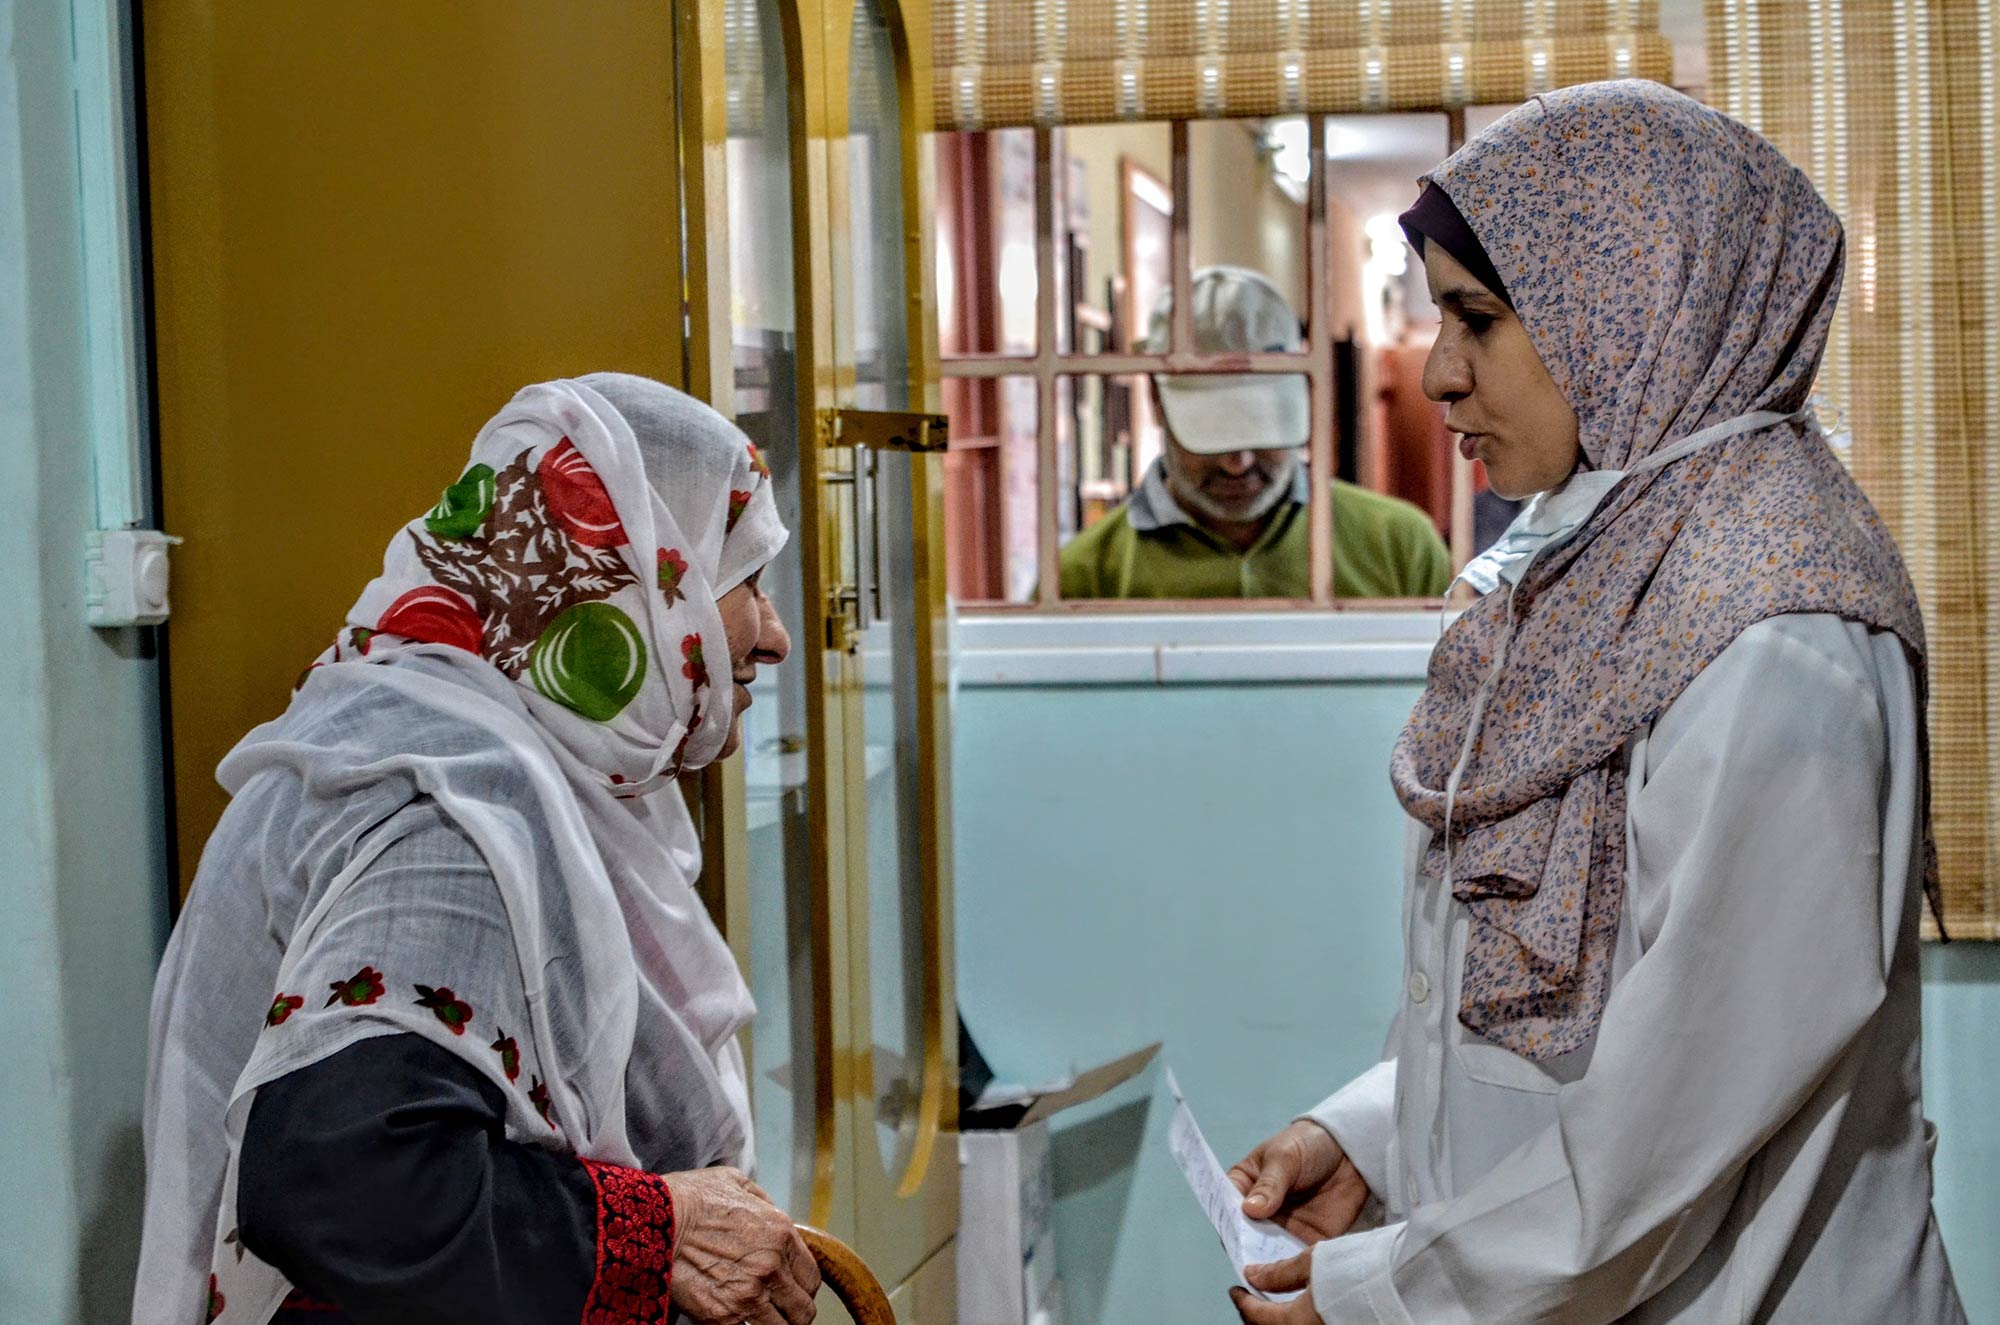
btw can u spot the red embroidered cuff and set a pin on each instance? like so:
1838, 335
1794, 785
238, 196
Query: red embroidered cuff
635, 1247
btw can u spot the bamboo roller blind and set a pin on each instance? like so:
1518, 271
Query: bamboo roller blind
1002, 63
1008, 63
1890, 106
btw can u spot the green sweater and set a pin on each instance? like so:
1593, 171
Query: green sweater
1382, 548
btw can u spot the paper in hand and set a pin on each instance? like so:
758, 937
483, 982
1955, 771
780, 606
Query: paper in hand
1245, 1241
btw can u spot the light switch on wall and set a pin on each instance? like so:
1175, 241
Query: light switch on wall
126, 577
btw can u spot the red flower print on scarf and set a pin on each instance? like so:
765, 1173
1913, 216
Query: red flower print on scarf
453, 1011
672, 567
510, 1055
577, 498
538, 1095
359, 990
739, 502
695, 668
758, 464
357, 639
282, 1008
216, 1301
432, 614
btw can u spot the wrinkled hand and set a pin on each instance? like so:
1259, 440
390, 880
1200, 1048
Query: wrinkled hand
1302, 1181
737, 1257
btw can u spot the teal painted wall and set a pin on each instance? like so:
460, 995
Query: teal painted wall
1218, 868
1961, 1085
82, 891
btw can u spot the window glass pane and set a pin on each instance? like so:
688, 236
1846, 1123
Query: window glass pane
1142, 511
1381, 305
1114, 209
985, 260
1094, 434
1206, 516
1402, 449
1248, 203
990, 478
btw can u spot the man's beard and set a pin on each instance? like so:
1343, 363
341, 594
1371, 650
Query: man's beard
1277, 488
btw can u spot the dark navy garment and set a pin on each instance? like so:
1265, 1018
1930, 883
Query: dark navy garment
380, 1179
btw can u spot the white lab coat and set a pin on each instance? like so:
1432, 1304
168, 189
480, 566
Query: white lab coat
1744, 1140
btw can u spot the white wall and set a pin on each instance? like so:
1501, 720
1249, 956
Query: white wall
82, 878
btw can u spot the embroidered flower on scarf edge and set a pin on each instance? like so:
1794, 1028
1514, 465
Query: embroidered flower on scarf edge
364, 987
453, 1011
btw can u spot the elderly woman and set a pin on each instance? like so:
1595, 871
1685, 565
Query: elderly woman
1657, 1054
444, 1032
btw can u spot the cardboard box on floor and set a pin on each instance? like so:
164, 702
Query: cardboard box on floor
1006, 1233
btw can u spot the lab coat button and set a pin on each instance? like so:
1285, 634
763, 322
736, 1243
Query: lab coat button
1420, 986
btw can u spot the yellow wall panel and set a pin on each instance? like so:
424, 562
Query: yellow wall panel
370, 223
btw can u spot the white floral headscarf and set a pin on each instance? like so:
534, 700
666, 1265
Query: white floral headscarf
583, 556
531, 664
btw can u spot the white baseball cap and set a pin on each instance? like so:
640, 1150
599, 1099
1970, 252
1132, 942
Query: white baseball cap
1233, 310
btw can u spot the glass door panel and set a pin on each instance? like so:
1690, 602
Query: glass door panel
893, 714
889, 611
778, 792
849, 941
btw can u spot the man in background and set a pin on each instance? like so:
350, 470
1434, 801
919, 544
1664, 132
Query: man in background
1222, 513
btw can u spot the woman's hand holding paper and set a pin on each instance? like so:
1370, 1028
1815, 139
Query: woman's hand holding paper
1302, 1181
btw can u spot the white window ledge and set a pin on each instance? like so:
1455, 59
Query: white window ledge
1191, 648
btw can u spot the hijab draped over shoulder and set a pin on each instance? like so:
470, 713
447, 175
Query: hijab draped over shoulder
1674, 272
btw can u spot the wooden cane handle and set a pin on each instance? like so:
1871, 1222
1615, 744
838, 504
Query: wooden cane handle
849, 1277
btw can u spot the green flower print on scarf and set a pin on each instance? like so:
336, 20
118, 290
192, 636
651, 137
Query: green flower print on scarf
592, 660
464, 506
